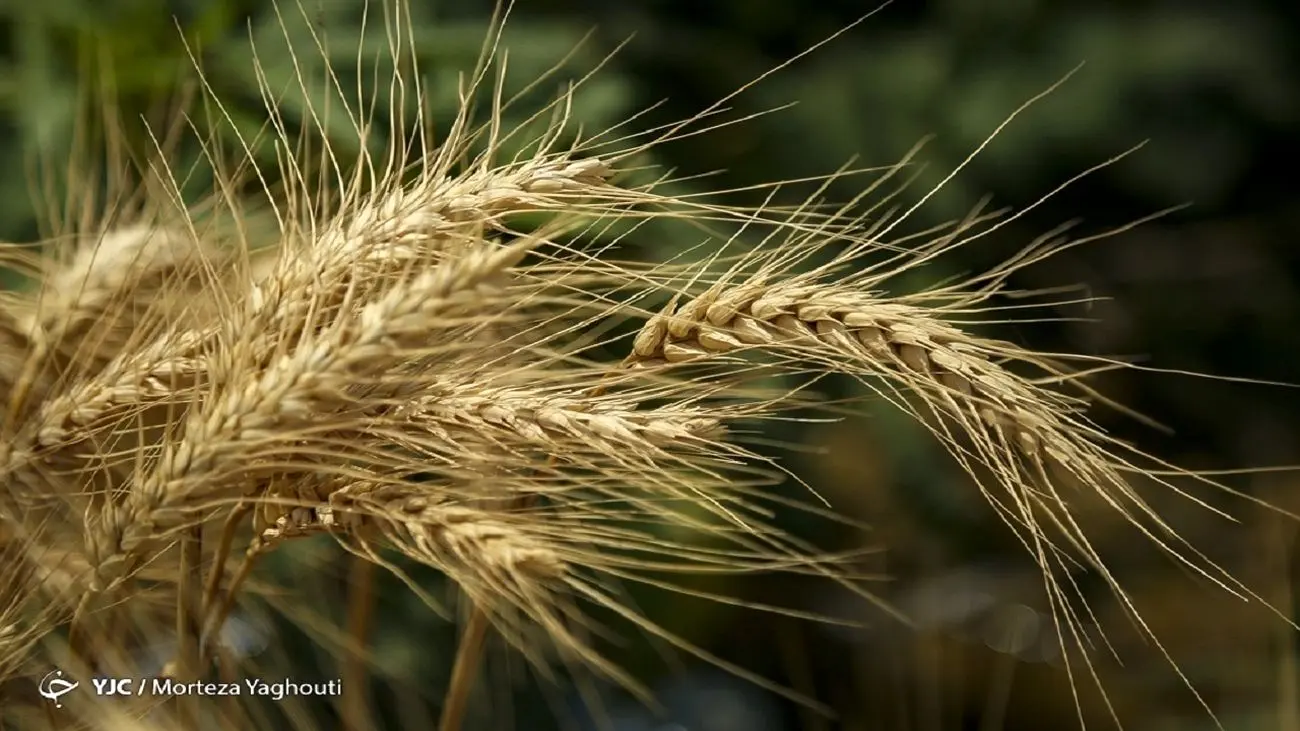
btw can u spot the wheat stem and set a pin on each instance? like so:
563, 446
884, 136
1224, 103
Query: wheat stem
469, 651
360, 619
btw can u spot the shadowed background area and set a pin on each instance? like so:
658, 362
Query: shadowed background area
1214, 91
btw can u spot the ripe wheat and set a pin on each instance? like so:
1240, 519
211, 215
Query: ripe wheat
411, 370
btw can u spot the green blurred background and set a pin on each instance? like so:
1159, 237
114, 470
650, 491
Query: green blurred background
1215, 287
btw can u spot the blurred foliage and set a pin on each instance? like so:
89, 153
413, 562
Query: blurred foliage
1214, 87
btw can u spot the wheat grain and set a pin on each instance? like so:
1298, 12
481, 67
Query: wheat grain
381, 237
134, 262
387, 232
261, 408
143, 375
563, 423
955, 374
472, 546
870, 335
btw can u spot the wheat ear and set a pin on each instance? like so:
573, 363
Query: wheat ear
386, 233
247, 413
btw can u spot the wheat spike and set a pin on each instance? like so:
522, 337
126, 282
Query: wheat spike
250, 411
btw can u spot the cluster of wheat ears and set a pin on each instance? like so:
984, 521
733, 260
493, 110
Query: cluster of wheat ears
404, 367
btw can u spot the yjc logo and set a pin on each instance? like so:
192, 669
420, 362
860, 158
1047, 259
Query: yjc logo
112, 686
53, 686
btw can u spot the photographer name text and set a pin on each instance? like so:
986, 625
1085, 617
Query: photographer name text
275, 690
